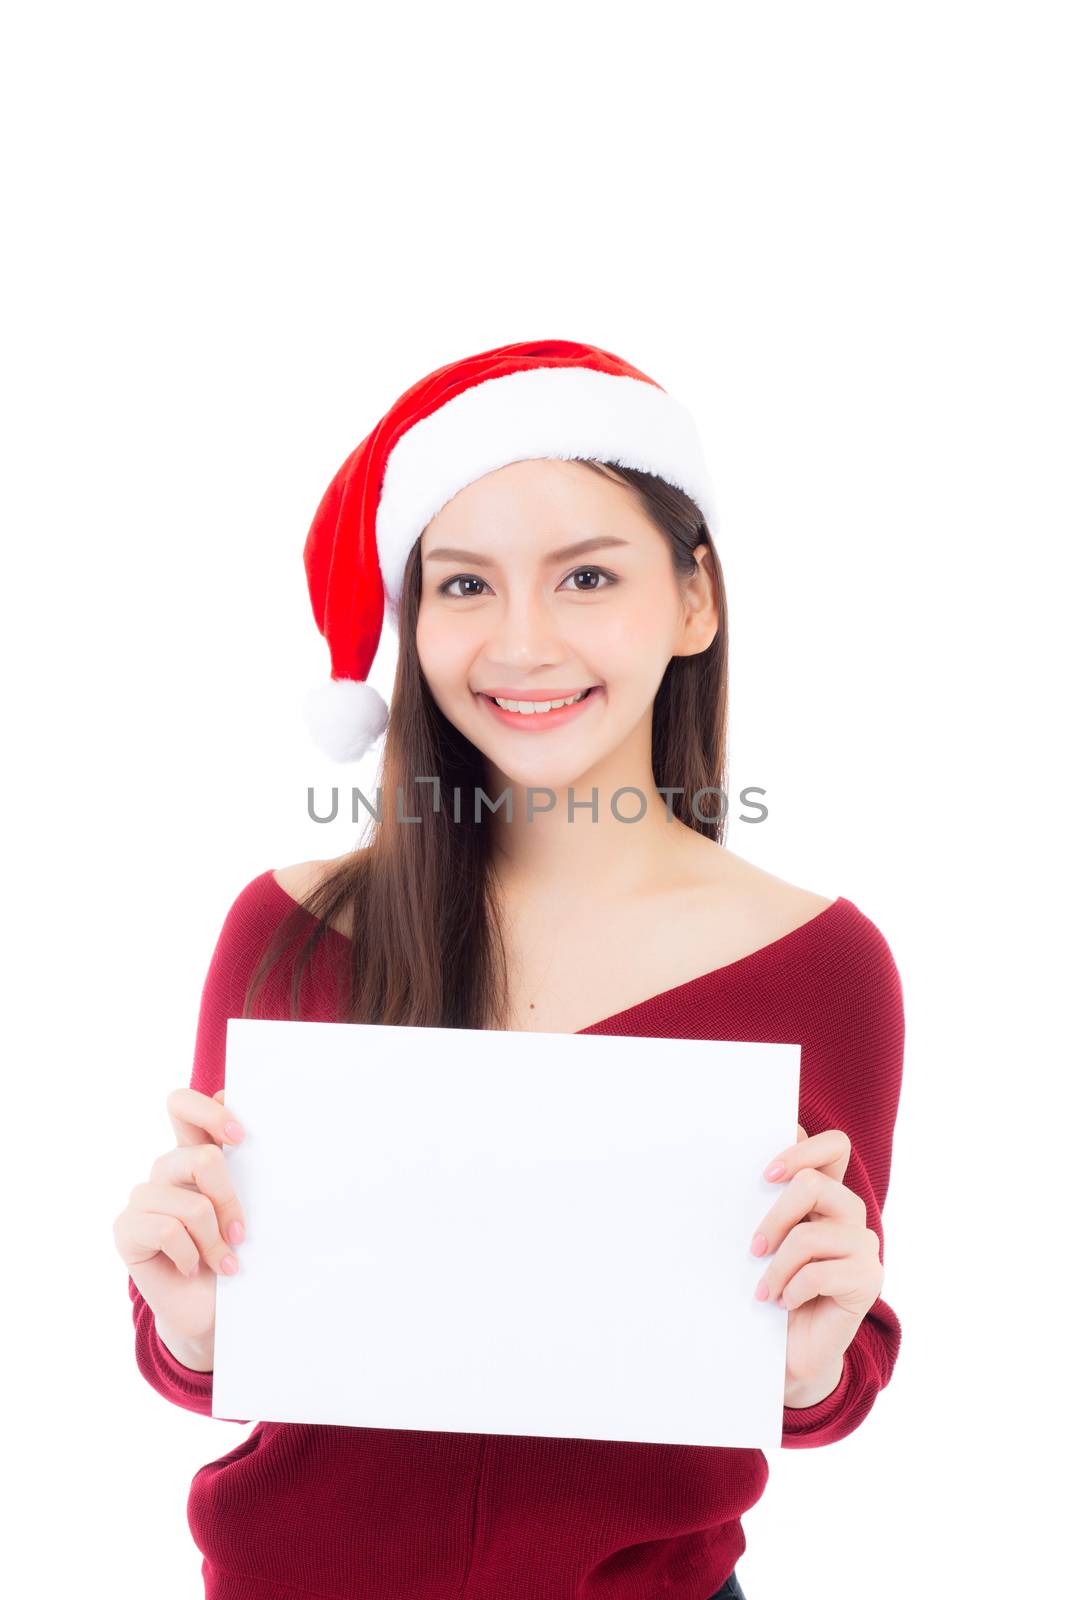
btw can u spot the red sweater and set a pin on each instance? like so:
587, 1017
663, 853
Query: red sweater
298, 1511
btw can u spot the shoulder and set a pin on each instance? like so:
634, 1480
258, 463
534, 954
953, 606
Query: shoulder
251, 919
301, 879
257, 908
852, 957
758, 905
258, 912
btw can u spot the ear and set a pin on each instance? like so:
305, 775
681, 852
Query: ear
700, 623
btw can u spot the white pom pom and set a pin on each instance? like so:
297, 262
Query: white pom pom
345, 717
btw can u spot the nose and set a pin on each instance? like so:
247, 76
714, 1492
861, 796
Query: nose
527, 632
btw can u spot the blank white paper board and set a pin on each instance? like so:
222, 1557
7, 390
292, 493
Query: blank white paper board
479, 1231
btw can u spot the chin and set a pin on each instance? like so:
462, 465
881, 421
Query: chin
542, 775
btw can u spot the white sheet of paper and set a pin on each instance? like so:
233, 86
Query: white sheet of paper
480, 1231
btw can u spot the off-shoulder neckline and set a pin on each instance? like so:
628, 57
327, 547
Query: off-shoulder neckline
727, 970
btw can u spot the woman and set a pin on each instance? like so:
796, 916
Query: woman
538, 522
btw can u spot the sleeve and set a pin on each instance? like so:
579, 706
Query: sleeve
850, 1079
179, 1384
236, 953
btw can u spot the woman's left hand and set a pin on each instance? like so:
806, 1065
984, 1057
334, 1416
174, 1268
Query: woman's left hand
825, 1269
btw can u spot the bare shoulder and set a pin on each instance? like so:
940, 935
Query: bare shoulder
302, 878
761, 905
299, 880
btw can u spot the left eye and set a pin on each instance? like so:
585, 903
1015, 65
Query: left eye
590, 572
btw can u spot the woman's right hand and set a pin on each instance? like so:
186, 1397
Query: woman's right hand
178, 1229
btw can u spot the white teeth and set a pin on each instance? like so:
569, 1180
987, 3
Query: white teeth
532, 707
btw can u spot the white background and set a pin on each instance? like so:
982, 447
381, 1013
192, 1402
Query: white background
235, 234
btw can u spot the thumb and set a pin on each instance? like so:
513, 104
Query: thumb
800, 1131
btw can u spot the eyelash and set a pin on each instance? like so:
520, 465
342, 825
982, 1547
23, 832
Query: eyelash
443, 588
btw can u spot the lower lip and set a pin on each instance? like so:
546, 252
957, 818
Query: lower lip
541, 721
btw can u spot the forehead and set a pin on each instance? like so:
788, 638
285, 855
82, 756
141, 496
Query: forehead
539, 498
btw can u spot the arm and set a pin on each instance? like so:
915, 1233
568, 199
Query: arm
851, 1080
181, 1372
867, 1367
180, 1384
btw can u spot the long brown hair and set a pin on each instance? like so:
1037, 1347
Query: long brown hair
425, 948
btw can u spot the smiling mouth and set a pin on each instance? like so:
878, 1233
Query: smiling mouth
538, 708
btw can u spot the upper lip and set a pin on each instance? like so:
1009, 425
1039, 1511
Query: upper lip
537, 694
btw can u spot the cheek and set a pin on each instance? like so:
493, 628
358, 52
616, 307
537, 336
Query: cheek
626, 645
444, 654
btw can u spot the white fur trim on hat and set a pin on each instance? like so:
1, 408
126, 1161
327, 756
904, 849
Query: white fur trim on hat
345, 716
561, 412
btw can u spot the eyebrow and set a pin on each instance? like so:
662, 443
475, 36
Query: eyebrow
597, 542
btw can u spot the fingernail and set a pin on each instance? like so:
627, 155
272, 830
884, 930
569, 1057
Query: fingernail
761, 1290
234, 1132
775, 1170
229, 1265
235, 1232
759, 1244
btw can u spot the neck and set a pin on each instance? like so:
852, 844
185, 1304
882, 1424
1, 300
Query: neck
580, 847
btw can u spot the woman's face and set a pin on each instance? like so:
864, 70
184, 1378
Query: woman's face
539, 580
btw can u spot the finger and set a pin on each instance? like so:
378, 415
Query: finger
193, 1210
852, 1285
142, 1235
808, 1193
829, 1150
193, 1115
800, 1132
826, 1238
204, 1167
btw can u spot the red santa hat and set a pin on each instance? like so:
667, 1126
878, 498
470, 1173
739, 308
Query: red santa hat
520, 402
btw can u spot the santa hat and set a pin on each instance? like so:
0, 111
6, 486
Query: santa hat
520, 402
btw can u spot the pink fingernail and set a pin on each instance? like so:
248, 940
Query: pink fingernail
236, 1231
762, 1290
229, 1264
775, 1170
759, 1244
234, 1131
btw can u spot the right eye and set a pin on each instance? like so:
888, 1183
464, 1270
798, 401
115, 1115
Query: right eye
461, 577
